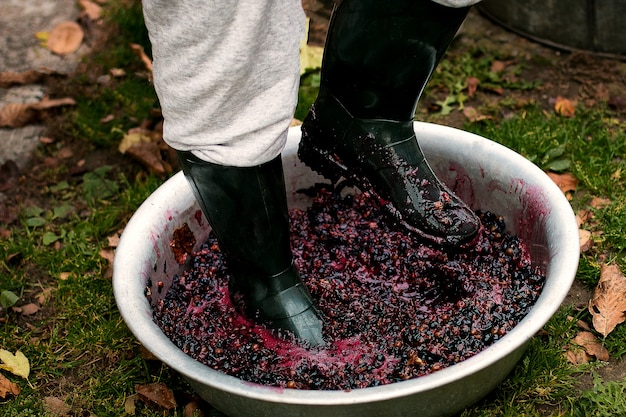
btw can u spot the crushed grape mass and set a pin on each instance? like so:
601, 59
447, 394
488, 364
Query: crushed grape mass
395, 308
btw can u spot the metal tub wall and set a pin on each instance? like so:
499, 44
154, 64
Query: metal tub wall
487, 175
591, 25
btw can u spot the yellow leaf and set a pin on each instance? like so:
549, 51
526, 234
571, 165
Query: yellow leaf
134, 136
16, 364
565, 107
42, 37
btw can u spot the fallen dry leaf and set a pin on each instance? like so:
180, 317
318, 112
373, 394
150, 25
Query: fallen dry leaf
583, 325
65, 38
585, 240
134, 136
65, 153
608, 304
9, 79
113, 240
566, 182
16, 364
498, 66
156, 395
598, 202
592, 346
192, 409
577, 357
565, 107
63, 276
117, 72
583, 216
91, 9
20, 114
56, 406
473, 115
27, 309
8, 388
138, 49
472, 86
149, 154
48, 103
44, 295
17, 115
108, 118
108, 254
129, 404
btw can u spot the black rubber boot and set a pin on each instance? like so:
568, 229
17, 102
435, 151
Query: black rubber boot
247, 210
379, 55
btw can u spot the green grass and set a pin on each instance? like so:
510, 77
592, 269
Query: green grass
82, 351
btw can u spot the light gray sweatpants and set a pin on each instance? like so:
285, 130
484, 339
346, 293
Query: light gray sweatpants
227, 72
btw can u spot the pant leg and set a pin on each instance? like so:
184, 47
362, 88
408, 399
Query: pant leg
226, 73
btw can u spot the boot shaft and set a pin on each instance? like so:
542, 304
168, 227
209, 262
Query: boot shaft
247, 210
379, 55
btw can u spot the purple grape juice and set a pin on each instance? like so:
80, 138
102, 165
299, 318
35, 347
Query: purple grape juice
395, 308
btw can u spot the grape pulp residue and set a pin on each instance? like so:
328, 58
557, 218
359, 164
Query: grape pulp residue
395, 309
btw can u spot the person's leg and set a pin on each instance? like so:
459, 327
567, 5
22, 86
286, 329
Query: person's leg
226, 74
377, 60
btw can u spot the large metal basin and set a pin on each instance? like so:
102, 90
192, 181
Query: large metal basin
487, 175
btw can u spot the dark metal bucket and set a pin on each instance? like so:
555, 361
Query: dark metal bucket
595, 26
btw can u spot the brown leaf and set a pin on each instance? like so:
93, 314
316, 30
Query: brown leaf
8, 388
192, 409
91, 9
608, 305
138, 49
27, 309
117, 72
156, 395
16, 115
113, 240
108, 254
473, 115
65, 38
583, 216
56, 406
472, 86
149, 154
577, 357
498, 66
65, 153
47, 103
591, 345
585, 240
599, 203
566, 182
565, 107
108, 118
44, 295
583, 325
20, 114
9, 79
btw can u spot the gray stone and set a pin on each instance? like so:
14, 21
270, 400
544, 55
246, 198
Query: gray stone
20, 51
